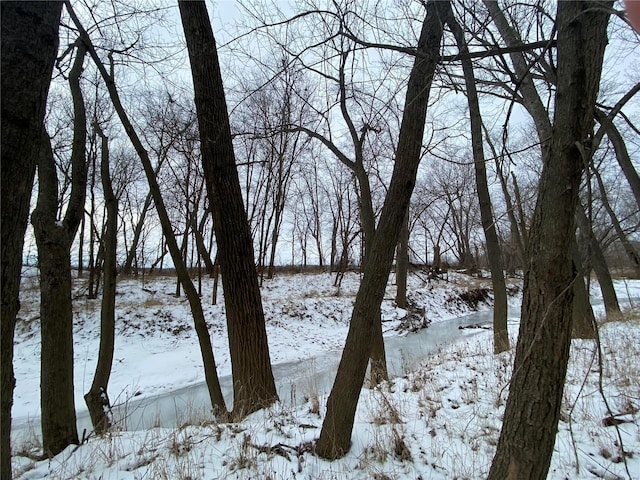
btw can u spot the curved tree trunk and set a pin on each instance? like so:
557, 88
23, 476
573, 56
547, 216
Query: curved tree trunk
500, 333
533, 406
29, 47
253, 383
335, 436
96, 398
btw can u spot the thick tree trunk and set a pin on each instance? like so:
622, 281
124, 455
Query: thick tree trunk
96, 398
335, 437
56, 358
210, 373
58, 416
500, 333
533, 407
29, 47
254, 386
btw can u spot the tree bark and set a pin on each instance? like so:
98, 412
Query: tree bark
335, 436
29, 47
533, 406
210, 373
500, 333
253, 382
96, 398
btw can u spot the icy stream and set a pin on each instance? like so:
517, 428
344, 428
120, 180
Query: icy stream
295, 380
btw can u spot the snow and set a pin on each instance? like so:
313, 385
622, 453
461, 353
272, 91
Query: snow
439, 418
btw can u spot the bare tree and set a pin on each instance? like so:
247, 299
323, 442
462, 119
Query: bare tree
500, 333
533, 406
254, 386
97, 397
335, 437
211, 375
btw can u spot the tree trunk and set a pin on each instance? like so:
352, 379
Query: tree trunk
335, 436
516, 237
96, 398
29, 48
402, 264
533, 406
500, 333
583, 319
599, 264
54, 239
199, 240
253, 382
210, 373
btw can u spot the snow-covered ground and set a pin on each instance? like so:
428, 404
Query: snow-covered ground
440, 418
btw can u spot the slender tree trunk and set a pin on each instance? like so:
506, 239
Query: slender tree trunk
211, 375
599, 263
402, 264
583, 318
94, 262
516, 236
335, 436
81, 248
97, 398
533, 406
500, 333
199, 240
254, 386
524, 231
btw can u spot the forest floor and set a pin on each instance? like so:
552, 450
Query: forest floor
438, 418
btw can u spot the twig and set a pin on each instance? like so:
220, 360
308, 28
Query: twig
606, 402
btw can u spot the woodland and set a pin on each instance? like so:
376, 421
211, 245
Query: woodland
389, 148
